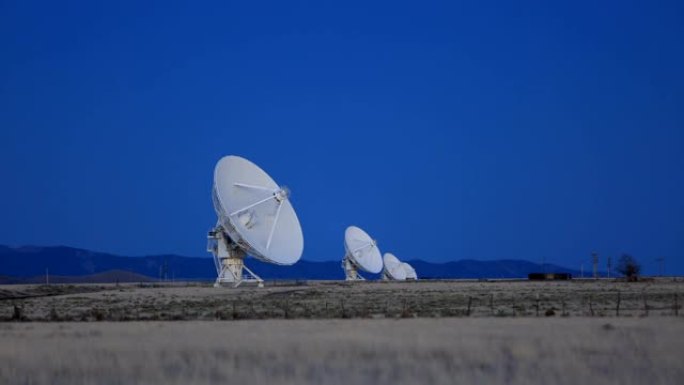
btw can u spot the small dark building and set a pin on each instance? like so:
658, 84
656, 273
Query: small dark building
549, 276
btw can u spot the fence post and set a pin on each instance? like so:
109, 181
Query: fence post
287, 308
513, 306
676, 305
563, 313
617, 307
491, 304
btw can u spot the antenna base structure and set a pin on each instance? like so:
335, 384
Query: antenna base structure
229, 259
351, 272
385, 275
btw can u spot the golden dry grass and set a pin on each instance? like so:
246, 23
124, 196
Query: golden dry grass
404, 351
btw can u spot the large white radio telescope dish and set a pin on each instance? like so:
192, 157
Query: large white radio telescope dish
361, 253
394, 269
410, 271
255, 218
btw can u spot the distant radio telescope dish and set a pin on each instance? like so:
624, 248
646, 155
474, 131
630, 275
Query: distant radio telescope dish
361, 253
394, 269
255, 218
410, 271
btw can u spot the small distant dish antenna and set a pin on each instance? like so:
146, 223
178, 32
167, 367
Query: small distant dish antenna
410, 272
362, 253
255, 218
394, 270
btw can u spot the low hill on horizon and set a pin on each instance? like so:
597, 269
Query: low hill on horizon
109, 276
28, 263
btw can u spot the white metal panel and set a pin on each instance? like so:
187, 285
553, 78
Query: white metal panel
256, 212
394, 267
363, 250
410, 271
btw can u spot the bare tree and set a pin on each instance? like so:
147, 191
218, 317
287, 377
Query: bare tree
629, 267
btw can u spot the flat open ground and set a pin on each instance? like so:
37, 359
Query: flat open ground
422, 332
402, 351
180, 301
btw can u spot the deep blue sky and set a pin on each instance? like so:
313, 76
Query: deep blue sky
447, 130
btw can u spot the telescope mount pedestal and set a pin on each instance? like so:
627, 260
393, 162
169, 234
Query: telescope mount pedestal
229, 259
350, 270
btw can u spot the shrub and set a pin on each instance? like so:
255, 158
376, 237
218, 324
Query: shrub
629, 267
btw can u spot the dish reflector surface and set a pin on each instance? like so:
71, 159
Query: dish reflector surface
363, 250
256, 212
410, 271
394, 267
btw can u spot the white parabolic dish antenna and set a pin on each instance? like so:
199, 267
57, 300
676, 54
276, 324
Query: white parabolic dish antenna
255, 218
394, 269
410, 271
361, 253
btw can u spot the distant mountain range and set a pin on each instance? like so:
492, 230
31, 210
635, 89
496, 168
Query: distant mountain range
67, 264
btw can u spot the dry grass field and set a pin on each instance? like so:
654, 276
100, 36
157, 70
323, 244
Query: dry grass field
145, 302
439, 332
575, 350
